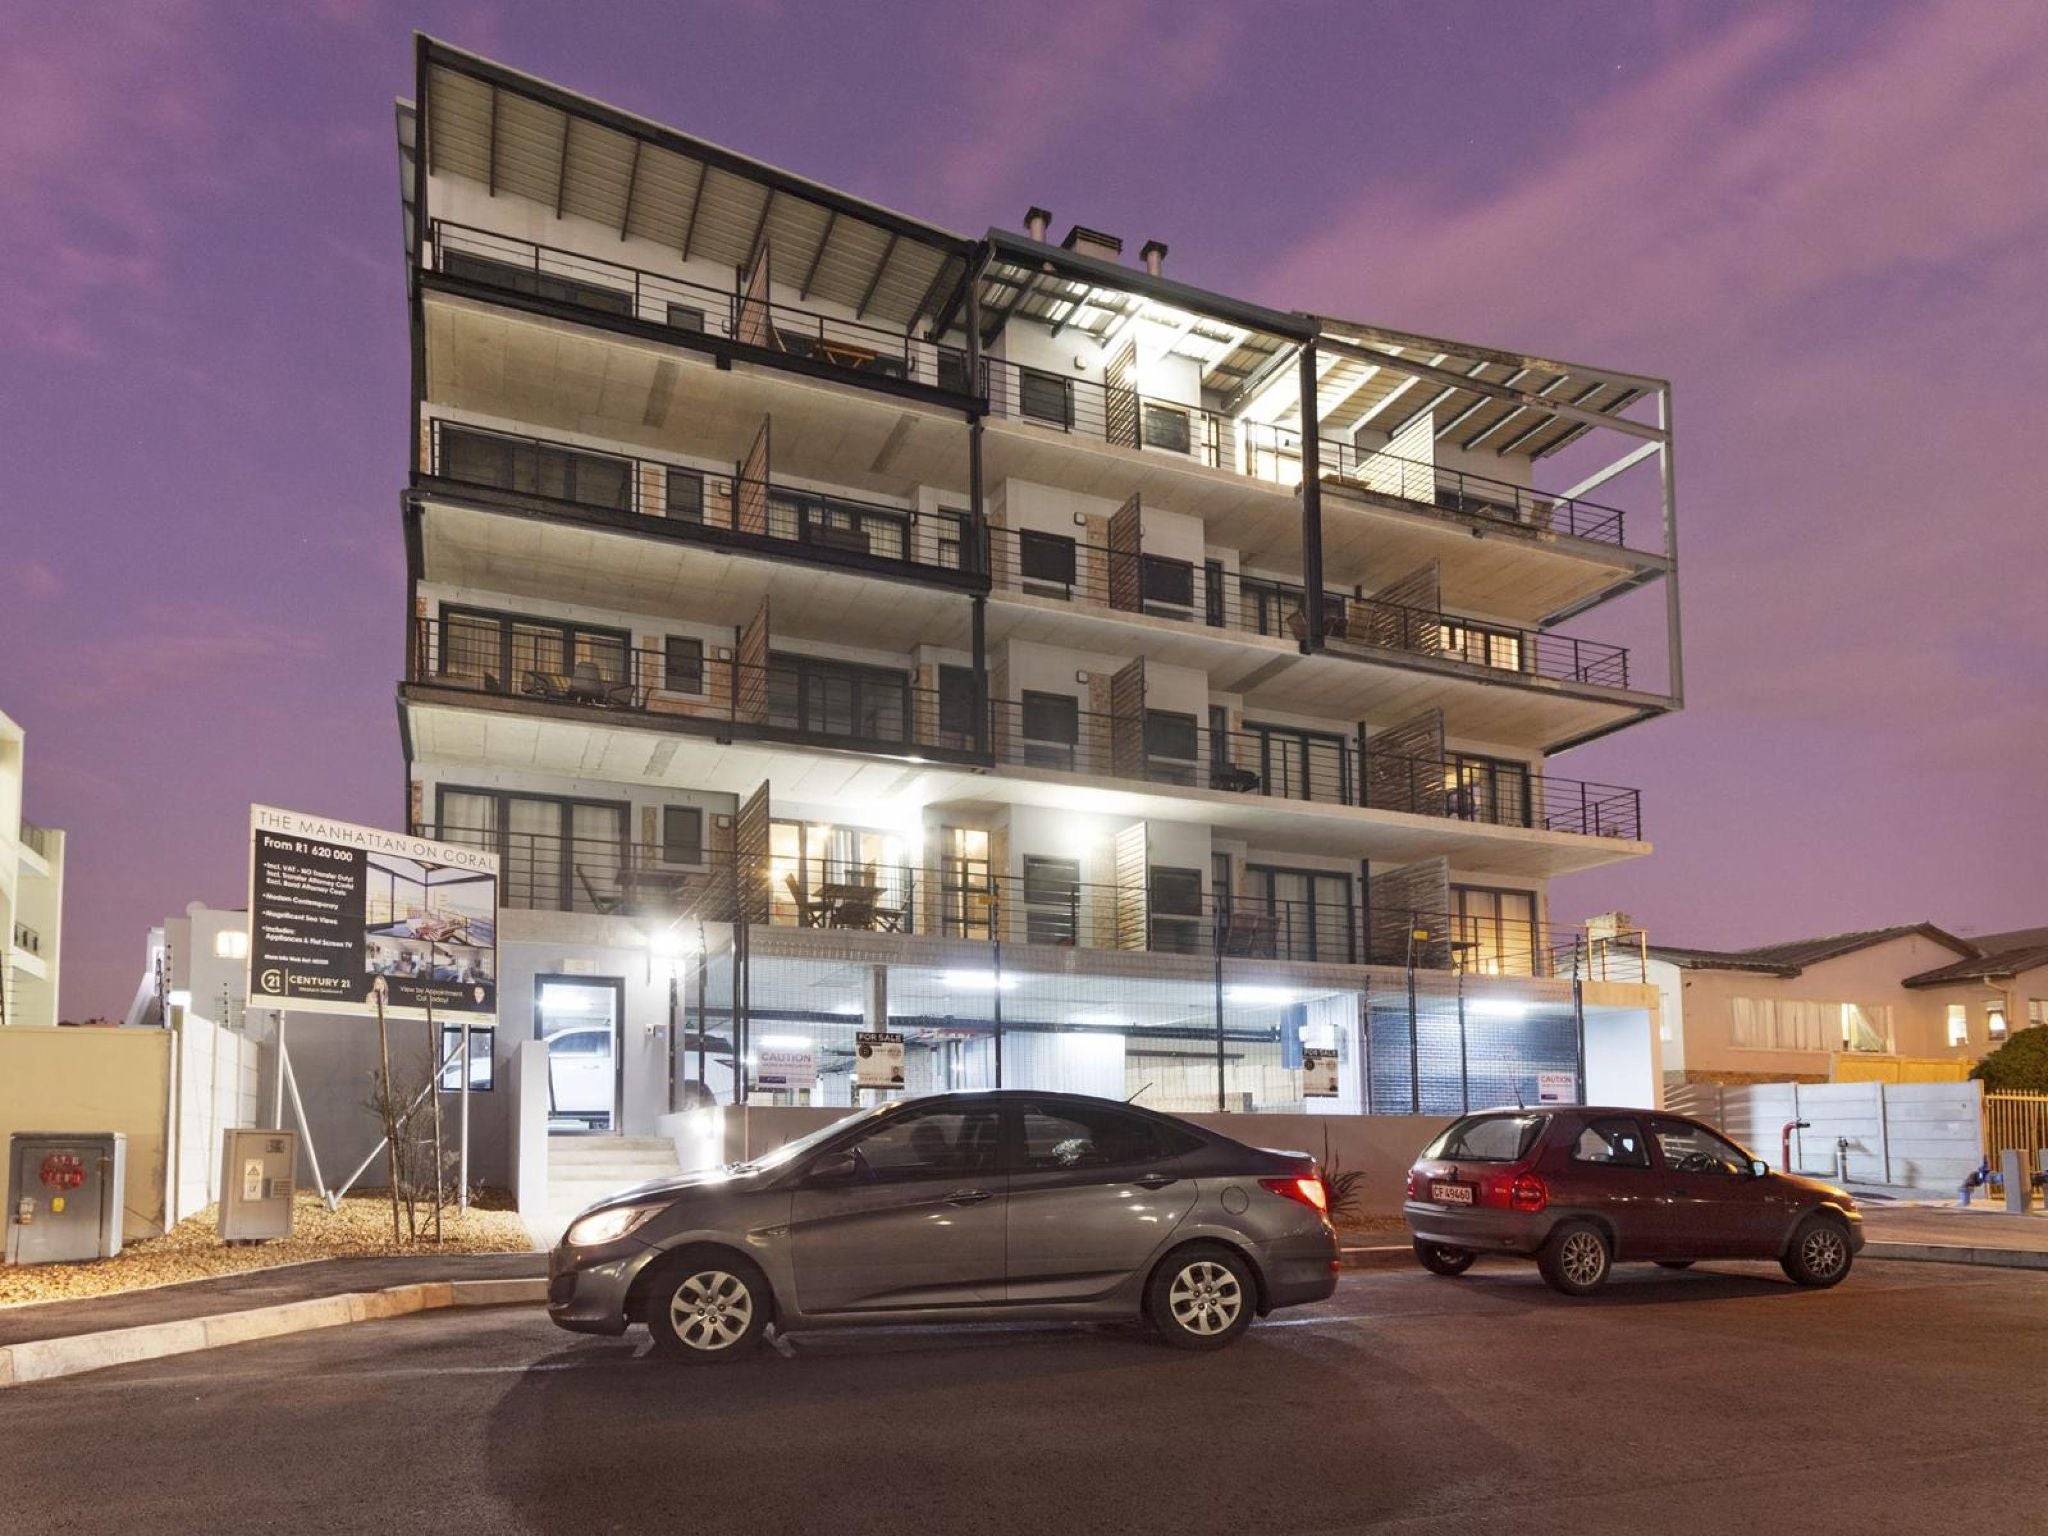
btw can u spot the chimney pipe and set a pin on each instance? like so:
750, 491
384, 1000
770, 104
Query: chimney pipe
1036, 221
1153, 254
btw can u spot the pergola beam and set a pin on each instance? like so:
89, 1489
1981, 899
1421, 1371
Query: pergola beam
804, 289
1452, 381
632, 182
562, 166
1509, 415
1477, 405
696, 202
867, 294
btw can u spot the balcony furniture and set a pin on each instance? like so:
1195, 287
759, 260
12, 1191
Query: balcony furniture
1240, 780
1251, 934
1333, 623
604, 903
825, 536
807, 914
848, 904
550, 687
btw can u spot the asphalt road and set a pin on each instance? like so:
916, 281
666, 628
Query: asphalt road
1721, 1399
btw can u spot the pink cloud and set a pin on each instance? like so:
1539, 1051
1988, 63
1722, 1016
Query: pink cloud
36, 580
173, 648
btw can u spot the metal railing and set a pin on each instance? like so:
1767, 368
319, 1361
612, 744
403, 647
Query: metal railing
1022, 560
1047, 907
26, 938
1274, 453
822, 526
36, 839
560, 663
851, 347
1118, 416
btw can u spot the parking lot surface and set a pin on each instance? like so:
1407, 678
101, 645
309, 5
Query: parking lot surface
1719, 1399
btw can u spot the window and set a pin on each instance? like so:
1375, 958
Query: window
1994, 1019
1487, 1139
1690, 1148
1307, 913
952, 531
836, 698
1172, 746
231, 944
1801, 1024
555, 855
2037, 1011
1052, 729
483, 1039
1494, 790
535, 468
682, 834
541, 658
1046, 559
1617, 1143
1063, 1137
686, 495
683, 664
1175, 899
1169, 582
965, 890
1052, 900
939, 1143
1166, 427
685, 317
528, 279
1958, 1024
1481, 646
1045, 397
1493, 932
1301, 765
956, 700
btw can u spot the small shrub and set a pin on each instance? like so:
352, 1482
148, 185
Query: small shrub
2018, 1066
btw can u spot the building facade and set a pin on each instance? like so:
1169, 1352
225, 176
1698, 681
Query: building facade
31, 896
839, 624
1902, 1004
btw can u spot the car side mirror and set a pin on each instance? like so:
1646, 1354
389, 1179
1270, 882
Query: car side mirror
834, 1168
1759, 1169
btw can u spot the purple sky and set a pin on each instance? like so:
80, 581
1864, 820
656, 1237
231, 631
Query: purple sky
1825, 223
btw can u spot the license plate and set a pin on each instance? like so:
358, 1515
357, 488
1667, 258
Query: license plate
1450, 1194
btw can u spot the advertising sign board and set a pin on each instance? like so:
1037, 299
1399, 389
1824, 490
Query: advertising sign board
786, 1068
1319, 1074
878, 1060
1557, 1088
339, 914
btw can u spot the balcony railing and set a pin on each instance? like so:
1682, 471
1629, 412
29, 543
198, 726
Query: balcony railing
1274, 453
613, 877
27, 938
1118, 416
36, 839
820, 526
1164, 587
868, 710
601, 287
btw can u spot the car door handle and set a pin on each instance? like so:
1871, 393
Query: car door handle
967, 1197
1156, 1180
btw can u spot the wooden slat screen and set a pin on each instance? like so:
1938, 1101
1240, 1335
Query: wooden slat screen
1404, 766
752, 483
750, 669
1127, 721
1126, 546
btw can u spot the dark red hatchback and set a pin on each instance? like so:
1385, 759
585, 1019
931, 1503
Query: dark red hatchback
1580, 1190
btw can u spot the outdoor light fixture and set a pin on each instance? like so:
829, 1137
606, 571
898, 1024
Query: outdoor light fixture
1496, 1008
848, 1010
978, 981
783, 1042
1273, 995
668, 944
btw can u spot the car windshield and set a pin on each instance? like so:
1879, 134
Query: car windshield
1488, 1139
790, 1150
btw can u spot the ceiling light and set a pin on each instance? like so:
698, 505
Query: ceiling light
1273, 995
976, 981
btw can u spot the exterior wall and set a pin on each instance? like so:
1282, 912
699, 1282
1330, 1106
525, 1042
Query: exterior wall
94, 1080
31, 897
1701, 1048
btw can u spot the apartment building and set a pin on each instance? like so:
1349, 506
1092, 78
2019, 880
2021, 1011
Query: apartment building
1913, 1002
31, 896
838, 624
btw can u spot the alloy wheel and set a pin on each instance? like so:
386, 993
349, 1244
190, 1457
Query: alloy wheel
1205, 1298
711, 1310
1823, 1252
1583, 1258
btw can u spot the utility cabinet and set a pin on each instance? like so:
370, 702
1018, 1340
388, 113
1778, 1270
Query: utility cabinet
65, 1193
256, 1169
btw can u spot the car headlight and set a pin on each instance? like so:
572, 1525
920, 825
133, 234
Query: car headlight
607, 1226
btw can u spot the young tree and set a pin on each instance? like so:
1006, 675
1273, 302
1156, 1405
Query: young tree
2018, 1066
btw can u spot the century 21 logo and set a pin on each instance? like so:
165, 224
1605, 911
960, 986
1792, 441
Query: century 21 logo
271, 981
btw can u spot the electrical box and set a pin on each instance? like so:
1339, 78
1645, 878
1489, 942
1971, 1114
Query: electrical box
65, 1192
256, 1181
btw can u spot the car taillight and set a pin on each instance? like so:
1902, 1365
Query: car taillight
1414, 1183
1308, 1189
1528, 1193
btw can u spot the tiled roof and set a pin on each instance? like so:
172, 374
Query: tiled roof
2004, 962
1790, 959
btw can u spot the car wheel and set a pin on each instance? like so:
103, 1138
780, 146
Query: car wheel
1576, 1258
707, 1306
1442, 1258
1819, 1253
1201, 1298
1674, 1263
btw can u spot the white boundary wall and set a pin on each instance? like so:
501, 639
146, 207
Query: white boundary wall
1918, 1135
216, 1084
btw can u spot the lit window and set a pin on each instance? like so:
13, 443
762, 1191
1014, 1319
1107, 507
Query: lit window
1994, 1017
2037, 1011
1958, 1024
231, 944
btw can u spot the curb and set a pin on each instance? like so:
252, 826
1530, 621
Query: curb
1384, 1256
1957, 1253
48, 1359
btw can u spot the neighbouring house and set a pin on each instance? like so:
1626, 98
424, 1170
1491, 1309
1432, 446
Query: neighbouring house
837, 624
31, 896
1913, 1002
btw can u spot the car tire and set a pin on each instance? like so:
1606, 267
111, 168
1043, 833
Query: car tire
1576, 1258
1442, 1258
1818, 1255
1674, 1263
1201, 1297
707, 1306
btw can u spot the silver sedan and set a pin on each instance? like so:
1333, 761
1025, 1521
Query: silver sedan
969, 1207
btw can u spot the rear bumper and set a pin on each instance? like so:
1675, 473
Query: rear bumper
1483, 1231
1300, 1272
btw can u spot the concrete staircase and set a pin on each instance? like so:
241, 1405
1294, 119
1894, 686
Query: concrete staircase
583, 1169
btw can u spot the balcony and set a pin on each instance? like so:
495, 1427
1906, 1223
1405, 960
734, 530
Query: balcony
811, 702
722, 320
731, 512
27, 939
1133, 582
612, 878
1121, 417
36, 839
